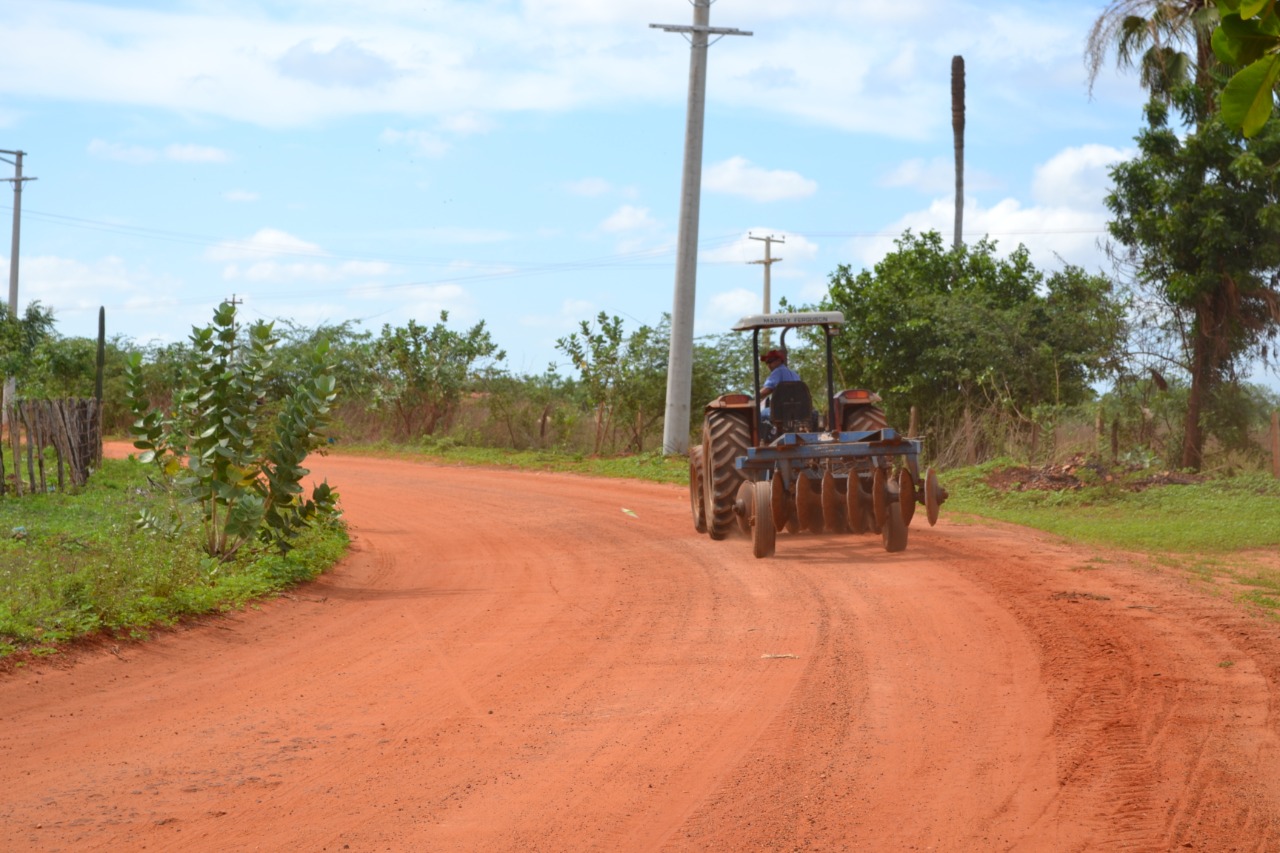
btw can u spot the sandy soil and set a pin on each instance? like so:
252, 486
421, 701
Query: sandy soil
522, 662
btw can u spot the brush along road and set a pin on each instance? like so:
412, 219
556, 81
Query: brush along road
510, 661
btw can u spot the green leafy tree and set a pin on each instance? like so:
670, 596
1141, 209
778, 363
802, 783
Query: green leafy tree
244, 474
642, 381
597, 354
1198, 218
67, 367
423, 372
938, 328
21, 336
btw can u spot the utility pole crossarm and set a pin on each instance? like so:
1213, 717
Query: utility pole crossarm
714, 31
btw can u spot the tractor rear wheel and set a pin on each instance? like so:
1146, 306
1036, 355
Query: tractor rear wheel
725, 436
697, 504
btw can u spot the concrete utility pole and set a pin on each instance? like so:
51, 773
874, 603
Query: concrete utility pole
768, 262
10, 382
675, 429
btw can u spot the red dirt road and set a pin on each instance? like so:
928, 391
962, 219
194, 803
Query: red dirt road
522, 662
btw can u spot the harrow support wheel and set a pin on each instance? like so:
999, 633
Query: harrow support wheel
857, 505
764, 535
725, 436
907, 495
697, 501
832, 505
894, 531
808, 505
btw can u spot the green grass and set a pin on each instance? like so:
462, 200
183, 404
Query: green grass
1213, 517
1212, 530
72, 565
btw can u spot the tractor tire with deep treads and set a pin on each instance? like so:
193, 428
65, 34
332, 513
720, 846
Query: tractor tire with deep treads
864, 419
725, 437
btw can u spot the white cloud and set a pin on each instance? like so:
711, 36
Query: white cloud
1067, 221
737, 176
936, 175
344, 64
313, 272
456, 60
240, 195
423, 142
467, 124
589, 187
135, 154
724, 309
195, 154
141, 155
266, 242
1049, 233
1077, 177
628, 218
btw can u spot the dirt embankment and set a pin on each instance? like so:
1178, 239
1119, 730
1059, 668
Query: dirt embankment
538, 662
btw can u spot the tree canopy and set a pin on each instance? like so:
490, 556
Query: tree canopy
938, 328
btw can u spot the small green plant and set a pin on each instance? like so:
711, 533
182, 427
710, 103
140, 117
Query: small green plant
215, 449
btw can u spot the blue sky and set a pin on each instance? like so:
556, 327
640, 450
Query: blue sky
519, 162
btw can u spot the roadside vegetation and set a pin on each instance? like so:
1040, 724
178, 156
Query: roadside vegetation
76, 564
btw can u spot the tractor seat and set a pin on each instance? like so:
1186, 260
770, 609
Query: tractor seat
791, 408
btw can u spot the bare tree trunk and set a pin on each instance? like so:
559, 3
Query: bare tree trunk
957, 131
1201, 383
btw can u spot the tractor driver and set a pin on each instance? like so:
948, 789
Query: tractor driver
778, 372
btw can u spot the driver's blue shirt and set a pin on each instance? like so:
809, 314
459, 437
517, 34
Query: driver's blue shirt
781, 373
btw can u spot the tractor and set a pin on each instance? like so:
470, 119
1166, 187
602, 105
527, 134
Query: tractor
836, 469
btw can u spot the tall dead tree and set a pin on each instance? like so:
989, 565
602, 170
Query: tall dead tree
957, 132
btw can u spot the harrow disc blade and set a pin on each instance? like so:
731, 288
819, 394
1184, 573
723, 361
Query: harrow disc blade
779, 501
880, 497
832, 506
932, 496
907, 495
808, 505
857, 502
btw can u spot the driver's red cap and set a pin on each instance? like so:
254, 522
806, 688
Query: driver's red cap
773, 355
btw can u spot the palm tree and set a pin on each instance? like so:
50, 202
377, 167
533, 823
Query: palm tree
1167, 41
